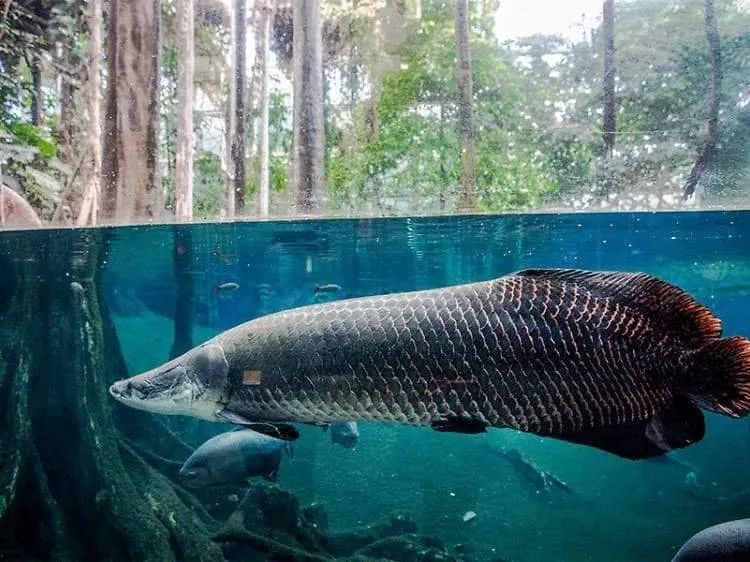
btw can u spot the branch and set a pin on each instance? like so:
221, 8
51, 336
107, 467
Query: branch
267, 546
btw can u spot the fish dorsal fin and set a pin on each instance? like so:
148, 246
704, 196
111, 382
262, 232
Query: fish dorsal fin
665, 304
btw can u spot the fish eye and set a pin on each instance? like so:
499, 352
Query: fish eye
193, 474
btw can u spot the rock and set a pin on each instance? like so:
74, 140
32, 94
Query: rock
16, 211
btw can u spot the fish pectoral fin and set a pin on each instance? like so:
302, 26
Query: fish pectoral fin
282, 431
279, 430
457, 424
680, 425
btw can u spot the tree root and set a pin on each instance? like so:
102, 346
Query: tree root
264, 545
82, 477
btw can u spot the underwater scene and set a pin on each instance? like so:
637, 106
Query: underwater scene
83, 477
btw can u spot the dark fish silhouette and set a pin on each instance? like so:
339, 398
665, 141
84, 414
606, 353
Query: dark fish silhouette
542, 482
617, 361
726, 542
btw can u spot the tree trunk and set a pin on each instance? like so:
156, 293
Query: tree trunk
467, 196
72, 489
264, 37
93, 147
706, 151
185, 75
443, 171
129, 164
236, 192
2, 197
37, 100
309, 133
610, 111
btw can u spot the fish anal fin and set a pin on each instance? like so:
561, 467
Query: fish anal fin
279, 430
665, 304
457, 424
678, 426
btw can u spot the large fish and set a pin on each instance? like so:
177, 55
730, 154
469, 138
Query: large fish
725, 542
617, 361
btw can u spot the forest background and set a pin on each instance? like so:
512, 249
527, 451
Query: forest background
120, 111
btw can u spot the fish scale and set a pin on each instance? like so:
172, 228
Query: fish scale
514, 352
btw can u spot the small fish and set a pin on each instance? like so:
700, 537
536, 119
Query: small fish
77, 288
229, 287
327, 288
345, 434
726, 542
232, 458
541, 481
468, 516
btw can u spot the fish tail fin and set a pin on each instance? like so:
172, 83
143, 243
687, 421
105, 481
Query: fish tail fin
720, 376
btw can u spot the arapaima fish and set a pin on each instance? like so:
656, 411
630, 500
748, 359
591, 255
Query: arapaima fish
618, 361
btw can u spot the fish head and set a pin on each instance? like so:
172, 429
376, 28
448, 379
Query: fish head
195, 474
345, 434
194, 384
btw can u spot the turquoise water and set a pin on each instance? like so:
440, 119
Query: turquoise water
617, 510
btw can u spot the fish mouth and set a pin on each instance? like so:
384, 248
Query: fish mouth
347, 441
188, 476
166, 390
194, 384
126, 391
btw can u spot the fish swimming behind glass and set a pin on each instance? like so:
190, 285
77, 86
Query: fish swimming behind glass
234, 457
617, 361
345, 434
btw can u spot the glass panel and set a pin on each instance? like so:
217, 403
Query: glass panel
257, 289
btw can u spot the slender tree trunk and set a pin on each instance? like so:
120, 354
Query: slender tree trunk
37, 101
66, 131
467, 196
129, 163
236, 195
443, 171
264, 30
706, 151
309, 132
609, 112
185, 78
92, 179
2, 198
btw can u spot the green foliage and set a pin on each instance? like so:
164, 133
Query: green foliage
30, 135
29, 159
392, 143
412, 163
208, 185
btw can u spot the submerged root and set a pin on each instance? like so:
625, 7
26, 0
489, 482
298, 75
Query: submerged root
266, 546
67, 489
82, 477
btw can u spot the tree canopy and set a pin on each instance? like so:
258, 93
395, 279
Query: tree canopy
391, 107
